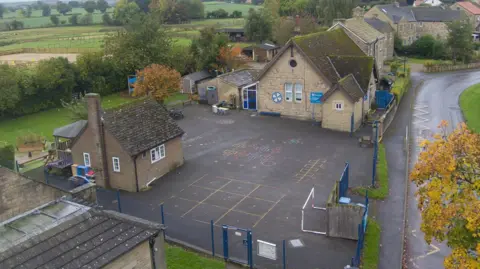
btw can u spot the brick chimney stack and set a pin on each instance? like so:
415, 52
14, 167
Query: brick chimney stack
98, 135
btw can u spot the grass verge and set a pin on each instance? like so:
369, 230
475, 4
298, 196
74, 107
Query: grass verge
469, 103
179, 258
381, 189
371, 249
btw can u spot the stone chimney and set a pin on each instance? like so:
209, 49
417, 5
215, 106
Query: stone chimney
98, 139
297, 25
358, 13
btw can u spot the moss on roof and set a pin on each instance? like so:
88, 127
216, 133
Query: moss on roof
350, 86
359, 66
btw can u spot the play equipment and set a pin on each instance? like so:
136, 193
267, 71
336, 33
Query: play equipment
81, 175
131, 80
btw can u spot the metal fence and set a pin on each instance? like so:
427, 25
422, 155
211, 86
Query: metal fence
362, 227
344, 181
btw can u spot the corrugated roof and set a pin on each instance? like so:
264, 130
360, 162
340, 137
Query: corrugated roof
71, 237
141, 126
70, 131
470, 7
363, 30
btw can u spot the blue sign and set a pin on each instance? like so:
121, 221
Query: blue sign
277, 97
316, 97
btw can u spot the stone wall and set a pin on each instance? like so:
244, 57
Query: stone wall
19, 194
407, 31
436, 29
343, 220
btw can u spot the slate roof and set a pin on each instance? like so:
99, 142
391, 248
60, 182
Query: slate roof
88, 240
349, 85
419, 14
241, 77
321, 47
70, 131
379, 25
363, 30
267, 45
436, 14
359, 66
140, 126
197, 76
470, 7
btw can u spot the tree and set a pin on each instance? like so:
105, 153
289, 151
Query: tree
73, 19
284, 30
102, 5
157, 80
63, 8
2, 10
97, 73
228, 59
273, 6
206, 48
236, 14
460, 40
141, 43
26, 12
77, 109
74, 4
86, 19
125, 12
46, 10
90, 6
328, 10
218, 14
429, 47
54, 19
10, 91
446, 174
259, 25
107, 20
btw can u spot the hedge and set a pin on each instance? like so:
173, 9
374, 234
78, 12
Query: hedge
401, 84
7, 156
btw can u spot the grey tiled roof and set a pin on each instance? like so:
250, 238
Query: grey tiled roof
380, 25
90, 240
351, 86
241, 77
396, 13
197, 76
70, 131
418, 14
141, 126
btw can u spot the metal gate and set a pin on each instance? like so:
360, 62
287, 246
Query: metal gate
237, 242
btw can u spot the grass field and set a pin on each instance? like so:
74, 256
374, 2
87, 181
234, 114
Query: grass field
229, 7
469, 103
37, 21
178, 258
43, 123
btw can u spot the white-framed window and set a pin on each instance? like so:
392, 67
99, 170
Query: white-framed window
86, 159
298, 92
288, 92
338, 105
157, 153
116, 164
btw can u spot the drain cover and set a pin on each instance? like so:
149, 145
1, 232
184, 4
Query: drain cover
296, 243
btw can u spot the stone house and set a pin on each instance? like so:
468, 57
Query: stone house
233, 87
130, 146
472, 10
370, 40
48, 229
387, 31
322, 76
410, 23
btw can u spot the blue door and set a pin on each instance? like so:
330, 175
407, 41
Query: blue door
250, 98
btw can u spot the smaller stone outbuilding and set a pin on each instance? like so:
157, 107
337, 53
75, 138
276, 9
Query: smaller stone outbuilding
233, 87
130, 146
190, 82
472, 10
262, 52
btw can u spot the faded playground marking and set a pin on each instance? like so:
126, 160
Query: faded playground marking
310, 169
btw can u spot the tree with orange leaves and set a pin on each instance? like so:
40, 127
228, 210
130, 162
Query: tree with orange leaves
448, 176
229, 58
157, 80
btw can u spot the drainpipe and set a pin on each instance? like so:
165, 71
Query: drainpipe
136, 173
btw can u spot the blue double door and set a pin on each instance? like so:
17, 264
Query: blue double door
249, 96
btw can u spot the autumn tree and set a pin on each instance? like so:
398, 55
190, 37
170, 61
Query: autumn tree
157, 80
447, 174
229, 59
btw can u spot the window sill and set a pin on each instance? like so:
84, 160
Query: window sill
157, 160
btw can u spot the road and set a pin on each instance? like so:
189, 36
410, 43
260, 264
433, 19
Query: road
436, 100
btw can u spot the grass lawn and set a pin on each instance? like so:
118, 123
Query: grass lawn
371, 248
176, 98
43, 123
229, 7
469, 103
178, 258
381, 189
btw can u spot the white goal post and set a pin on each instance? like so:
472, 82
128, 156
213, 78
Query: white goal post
311, 196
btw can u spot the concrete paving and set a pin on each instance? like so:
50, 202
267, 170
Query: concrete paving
253, 172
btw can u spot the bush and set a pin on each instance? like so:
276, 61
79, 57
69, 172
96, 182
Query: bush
107, 20
7, 156
236, 14
428, 47
54, 19
217, 14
